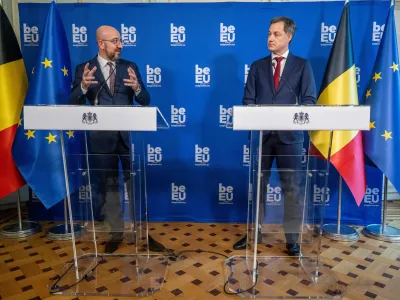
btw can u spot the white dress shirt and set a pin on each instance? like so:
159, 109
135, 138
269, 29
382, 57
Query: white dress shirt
283, 61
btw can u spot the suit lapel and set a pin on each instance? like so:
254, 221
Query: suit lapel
286, 71
267, 65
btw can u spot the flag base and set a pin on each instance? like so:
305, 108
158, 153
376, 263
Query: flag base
344, 234
60, 233
15, 231
377, 232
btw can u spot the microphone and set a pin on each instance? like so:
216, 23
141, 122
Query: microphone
284, 82
96, 100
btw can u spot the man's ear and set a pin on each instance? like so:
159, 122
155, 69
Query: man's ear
100, 44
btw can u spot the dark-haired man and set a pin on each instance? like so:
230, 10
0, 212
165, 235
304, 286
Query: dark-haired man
282, 78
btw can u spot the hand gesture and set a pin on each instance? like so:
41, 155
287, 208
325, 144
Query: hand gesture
132, 81
88, 77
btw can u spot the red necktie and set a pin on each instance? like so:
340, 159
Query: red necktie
111, 74
277, 72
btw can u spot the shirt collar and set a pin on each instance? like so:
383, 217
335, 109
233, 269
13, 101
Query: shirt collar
103, 62
285, 55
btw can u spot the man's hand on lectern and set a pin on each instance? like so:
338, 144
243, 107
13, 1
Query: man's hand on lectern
88, 77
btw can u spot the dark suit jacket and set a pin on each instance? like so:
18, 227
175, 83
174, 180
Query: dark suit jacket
106, 141
297, 74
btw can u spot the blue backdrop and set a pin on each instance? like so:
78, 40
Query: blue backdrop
194, 59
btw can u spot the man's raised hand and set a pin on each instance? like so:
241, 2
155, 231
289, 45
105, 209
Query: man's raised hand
88, 77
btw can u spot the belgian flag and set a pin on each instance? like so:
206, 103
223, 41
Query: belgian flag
339, 87
13, 87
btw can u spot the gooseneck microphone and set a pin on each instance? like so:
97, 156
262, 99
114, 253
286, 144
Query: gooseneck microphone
96, 100
284, 82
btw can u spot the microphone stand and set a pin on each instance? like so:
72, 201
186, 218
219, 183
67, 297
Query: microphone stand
96, 100
284, 82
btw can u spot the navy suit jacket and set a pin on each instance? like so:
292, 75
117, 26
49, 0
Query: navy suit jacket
297, 74
106, 141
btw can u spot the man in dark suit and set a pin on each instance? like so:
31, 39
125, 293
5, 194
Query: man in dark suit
282, 78
108, 80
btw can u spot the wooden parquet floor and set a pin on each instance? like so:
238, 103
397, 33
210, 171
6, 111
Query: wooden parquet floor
369, 269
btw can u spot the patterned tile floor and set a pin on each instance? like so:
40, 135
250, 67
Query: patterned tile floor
369, 269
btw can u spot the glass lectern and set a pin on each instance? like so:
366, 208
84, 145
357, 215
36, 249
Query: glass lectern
288, 189
106, 196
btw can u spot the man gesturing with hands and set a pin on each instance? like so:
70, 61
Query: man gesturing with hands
108, 80
88, 78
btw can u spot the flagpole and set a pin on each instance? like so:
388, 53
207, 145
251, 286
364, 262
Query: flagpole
384, 204
339, 232
19, 211
339, 211
22, 228
382, 232
62, 232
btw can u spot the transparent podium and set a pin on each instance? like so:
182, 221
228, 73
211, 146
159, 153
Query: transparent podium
106, 199
288, 189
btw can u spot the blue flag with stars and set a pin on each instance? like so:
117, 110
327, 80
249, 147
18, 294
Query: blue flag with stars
37, 153
382, 142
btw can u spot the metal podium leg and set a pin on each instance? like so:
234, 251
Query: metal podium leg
22, 228
69, 206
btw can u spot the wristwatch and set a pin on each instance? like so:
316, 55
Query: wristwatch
137, 91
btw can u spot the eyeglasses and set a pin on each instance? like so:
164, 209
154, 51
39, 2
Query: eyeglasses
115, 41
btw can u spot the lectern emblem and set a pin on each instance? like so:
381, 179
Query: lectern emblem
301, 118
89, 118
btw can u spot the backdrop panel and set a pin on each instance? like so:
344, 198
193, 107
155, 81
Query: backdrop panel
194, 59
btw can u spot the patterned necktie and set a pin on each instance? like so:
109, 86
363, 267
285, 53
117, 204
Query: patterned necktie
277, 72
111, 74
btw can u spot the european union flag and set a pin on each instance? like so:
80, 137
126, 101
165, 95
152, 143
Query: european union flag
382, 142
37, 154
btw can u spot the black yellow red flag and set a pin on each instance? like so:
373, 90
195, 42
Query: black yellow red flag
339, 87
13, 87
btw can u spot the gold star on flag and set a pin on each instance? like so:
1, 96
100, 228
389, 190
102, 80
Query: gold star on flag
70, 134
394, 67
372, 125
33, 70
65, 71
20, 122
377, 76
368, 94
30, 134
47, 63
51, 138
387, 135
